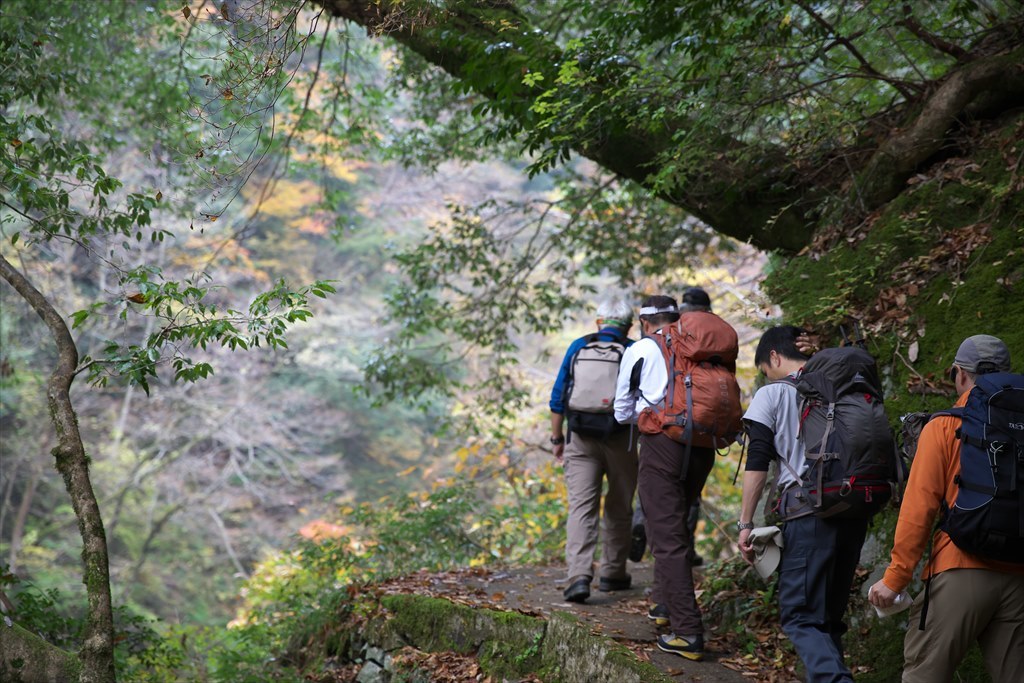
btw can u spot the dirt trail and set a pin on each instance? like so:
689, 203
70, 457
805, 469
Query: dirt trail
621, 615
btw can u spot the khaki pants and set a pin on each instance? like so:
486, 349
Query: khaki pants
588, 461
964, 606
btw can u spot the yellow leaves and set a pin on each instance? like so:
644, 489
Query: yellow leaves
290, 200
228, 94
407, 471
343, 169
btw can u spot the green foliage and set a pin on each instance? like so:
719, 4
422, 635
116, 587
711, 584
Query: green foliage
40, 611
146, 655
56, 188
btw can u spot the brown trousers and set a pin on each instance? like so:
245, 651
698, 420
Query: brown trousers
967, 606
668, 491
587, 462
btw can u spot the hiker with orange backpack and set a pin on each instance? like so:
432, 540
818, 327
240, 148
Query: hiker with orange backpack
694, 299
678, 384
968, 471
595, 447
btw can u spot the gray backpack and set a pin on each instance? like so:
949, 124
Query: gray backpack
590, 390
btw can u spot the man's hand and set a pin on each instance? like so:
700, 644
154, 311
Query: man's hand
808, 344
558, 451
881, 595
745, 547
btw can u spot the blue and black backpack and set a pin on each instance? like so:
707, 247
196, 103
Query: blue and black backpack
987, 517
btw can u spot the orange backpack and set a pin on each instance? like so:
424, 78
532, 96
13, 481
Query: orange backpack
702, 400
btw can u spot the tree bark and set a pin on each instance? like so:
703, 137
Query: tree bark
97, 652
898, 157
764, 198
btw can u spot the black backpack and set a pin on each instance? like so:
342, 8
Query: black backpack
590, 387
852, 468
987, 517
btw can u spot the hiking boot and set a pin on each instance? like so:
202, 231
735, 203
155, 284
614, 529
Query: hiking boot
578, 590
659, 615
684, 647
606, 584
638, 544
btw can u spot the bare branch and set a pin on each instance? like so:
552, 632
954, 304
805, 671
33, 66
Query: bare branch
911, 24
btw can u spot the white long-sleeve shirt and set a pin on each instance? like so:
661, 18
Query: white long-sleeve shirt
653, 380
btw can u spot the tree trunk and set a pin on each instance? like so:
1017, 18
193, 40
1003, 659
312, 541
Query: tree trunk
97, 653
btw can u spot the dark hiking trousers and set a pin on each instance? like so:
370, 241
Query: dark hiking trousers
815, 575
668, 492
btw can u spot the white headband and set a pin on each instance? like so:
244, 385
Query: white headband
653, 310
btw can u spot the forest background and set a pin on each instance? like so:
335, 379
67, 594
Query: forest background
320, 287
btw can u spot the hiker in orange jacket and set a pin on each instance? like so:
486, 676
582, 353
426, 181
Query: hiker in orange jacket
969, 598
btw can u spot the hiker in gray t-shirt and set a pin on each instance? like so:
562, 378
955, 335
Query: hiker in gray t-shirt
819, 555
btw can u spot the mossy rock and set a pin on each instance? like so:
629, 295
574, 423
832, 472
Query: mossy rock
508, 645
572, 653
27, 658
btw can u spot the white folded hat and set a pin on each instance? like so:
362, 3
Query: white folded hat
767, 543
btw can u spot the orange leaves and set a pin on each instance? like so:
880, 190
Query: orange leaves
319, 530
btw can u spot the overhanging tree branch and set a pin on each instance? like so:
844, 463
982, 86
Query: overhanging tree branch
758, 200
769, 195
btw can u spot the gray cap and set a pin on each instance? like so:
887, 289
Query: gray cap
983, 350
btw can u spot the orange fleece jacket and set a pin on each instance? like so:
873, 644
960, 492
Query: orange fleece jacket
931, 480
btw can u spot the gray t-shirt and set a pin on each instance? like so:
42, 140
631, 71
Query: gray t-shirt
776, 406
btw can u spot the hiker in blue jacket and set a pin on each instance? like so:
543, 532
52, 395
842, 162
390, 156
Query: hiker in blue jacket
592, 449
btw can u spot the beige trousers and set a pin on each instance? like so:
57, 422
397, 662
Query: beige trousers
964, 606
588, 461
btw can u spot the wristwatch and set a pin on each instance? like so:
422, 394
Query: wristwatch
557, 440
740, 526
